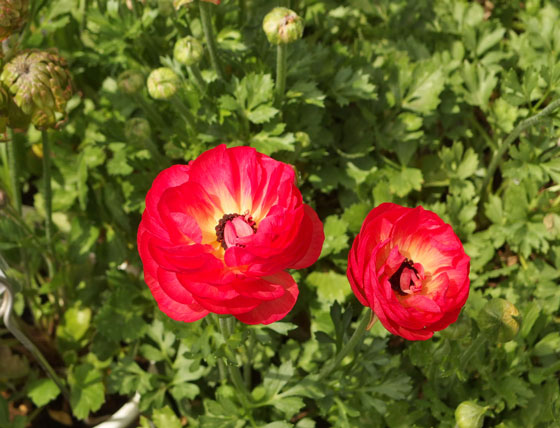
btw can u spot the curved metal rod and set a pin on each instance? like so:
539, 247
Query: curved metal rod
11, 324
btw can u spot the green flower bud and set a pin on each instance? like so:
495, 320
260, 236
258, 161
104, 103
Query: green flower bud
282, 25
130, 81
40, 85
163, 83
180, 3
188, 51
13, 14
468, 414
497, 320
137, 129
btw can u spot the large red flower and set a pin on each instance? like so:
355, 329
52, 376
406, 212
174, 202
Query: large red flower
217, 235
410, 268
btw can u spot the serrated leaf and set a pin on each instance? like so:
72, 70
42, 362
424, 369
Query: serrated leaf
166, 418
330, 286
336, 239
42, 391
262, 114
87, 392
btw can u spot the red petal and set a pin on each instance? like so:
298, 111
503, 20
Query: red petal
273, 310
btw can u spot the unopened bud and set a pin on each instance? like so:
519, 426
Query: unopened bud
497, 320
137, 128
468, 414
180, 3
163, 83
130, 81
13, 15
188, 51
282, 25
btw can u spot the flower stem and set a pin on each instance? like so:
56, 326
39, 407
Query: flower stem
206, 18
234, 372
14, 172
499, 154
194, 71
367, 320
47, 189
281, 66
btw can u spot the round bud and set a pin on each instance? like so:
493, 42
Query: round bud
13, 15
130, 81
188, 51
468, 414
180, 3
163, 83
497, 320
282, 25
137, 129
39, 84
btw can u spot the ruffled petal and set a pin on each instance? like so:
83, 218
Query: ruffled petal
270, 311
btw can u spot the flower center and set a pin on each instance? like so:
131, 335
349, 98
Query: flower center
234, 226
407, 279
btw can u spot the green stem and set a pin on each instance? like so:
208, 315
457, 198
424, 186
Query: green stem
14, 172
281, 66
242, 13
185, 112
356, 338
206, 18
248, 360
234, 371
194, 71
47, 189
499, 154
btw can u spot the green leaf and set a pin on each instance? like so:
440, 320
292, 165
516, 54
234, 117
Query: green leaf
166, 418
74, 325
87, 392
42, 391
351, 85
427, 81
330, 286
262, 114
336, 239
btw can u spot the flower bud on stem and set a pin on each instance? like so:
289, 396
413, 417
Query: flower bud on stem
367, 320
206, 18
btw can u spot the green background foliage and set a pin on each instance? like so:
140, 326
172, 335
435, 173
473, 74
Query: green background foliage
386, 100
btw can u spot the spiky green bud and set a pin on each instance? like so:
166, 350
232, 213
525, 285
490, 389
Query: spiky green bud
163, 83
13, 14
282, 26
498, 320
130, 81
40, 85
188, 51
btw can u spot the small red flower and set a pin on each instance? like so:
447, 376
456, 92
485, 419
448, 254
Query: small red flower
411, 269
217, 235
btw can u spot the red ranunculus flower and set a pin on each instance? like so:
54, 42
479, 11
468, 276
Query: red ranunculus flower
217, 235
410, 268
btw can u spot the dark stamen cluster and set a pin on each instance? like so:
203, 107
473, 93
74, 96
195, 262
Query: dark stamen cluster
220, 227
395, 279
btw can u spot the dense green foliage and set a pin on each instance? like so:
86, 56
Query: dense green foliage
386, 100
